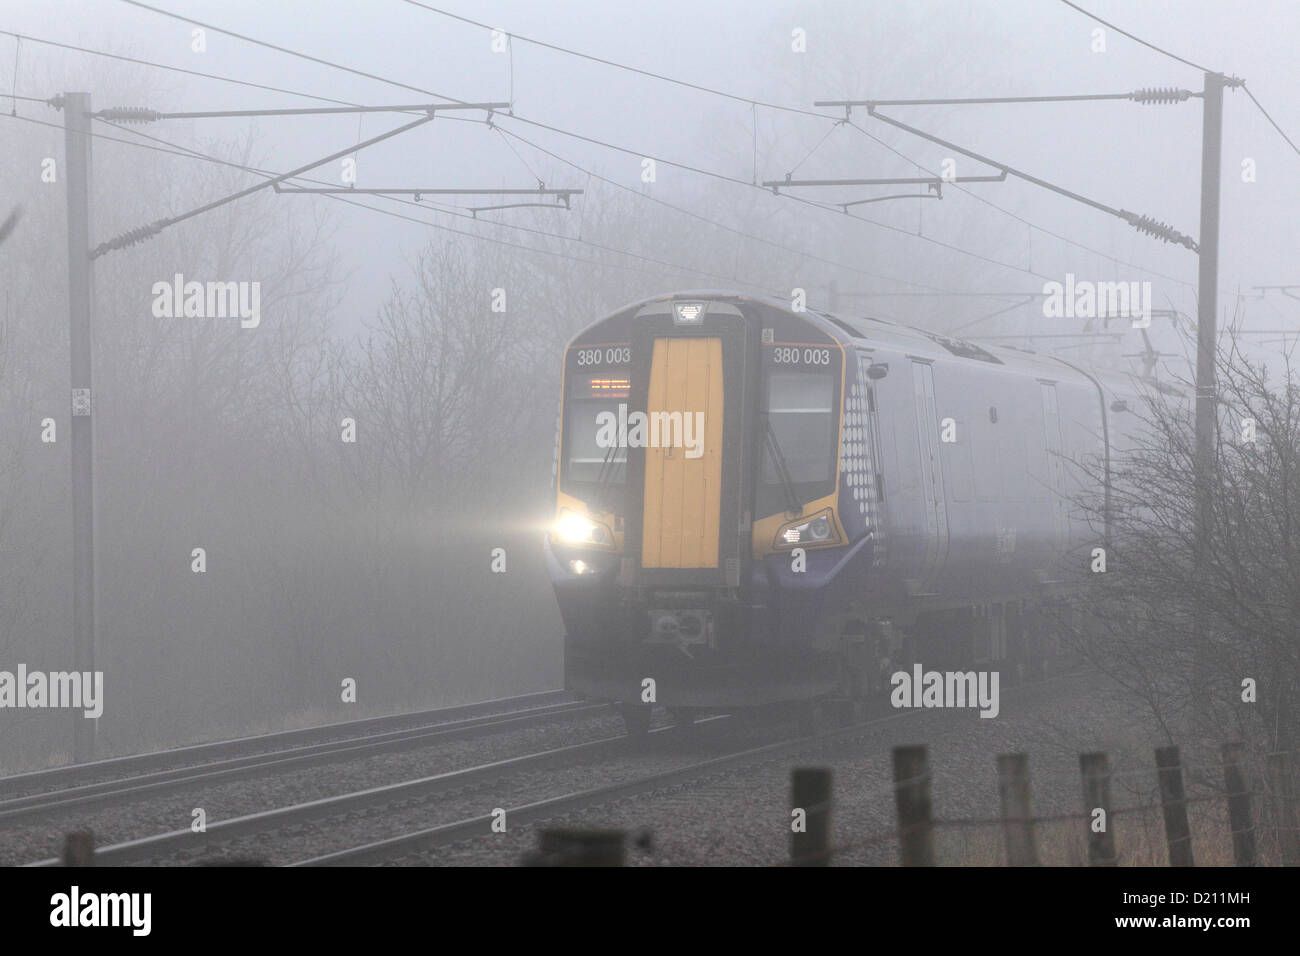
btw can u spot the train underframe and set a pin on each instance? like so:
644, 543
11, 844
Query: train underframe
699, 651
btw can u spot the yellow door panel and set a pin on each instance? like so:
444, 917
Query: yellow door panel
652, 512
683, 494
670, 459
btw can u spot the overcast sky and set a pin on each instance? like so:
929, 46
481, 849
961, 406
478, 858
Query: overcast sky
1143, 158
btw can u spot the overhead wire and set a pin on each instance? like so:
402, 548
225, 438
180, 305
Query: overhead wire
1268, 117
397, 83
594, 141
1174, 56
186, 152
1137, 39
426, 92
753, 102
736, 97
732, 229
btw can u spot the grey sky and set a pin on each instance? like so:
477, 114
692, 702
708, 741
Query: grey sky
1144, 158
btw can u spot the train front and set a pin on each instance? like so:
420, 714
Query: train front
697, 534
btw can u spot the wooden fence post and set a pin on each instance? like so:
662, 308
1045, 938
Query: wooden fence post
1017, 814
1282, 787
79, 848
1095, 768
1178, 834
912, 796
1240, 816
810, 793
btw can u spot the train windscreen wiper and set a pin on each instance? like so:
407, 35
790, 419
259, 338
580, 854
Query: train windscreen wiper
605, 476
774, 447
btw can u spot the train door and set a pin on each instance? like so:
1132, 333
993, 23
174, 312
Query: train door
933, 500
682, 495
1055, 466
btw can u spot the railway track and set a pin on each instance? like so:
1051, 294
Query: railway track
179, 846
154, 848
335, 814
421, 841
153, 775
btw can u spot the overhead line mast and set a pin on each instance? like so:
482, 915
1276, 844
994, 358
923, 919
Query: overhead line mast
77, 116
1207, 250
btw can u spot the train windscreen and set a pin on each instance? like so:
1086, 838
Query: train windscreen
590, 395
800, 447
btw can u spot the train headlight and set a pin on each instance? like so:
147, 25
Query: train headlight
817, 530
688, 313
573, 528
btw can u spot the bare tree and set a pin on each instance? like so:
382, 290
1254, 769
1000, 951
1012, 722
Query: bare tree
1142, 613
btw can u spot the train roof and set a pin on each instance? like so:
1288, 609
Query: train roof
873, 331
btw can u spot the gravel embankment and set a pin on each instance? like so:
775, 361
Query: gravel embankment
744, 818
38, 840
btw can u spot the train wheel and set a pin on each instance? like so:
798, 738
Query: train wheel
636, 719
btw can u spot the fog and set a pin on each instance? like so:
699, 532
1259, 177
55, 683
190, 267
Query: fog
327, 559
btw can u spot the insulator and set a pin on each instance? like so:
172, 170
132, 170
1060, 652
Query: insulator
132, 236
129, 238
1161, 230
130, 114
1162, 94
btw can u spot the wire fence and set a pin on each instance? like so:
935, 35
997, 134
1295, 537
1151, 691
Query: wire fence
1245, 814
1257, 818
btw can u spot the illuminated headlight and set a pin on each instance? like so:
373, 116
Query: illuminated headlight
815, 530
688, 313
573, 528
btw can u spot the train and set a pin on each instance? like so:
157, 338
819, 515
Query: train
759, 504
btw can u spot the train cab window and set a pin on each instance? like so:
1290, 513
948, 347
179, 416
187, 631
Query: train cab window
590, 394
800, 447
